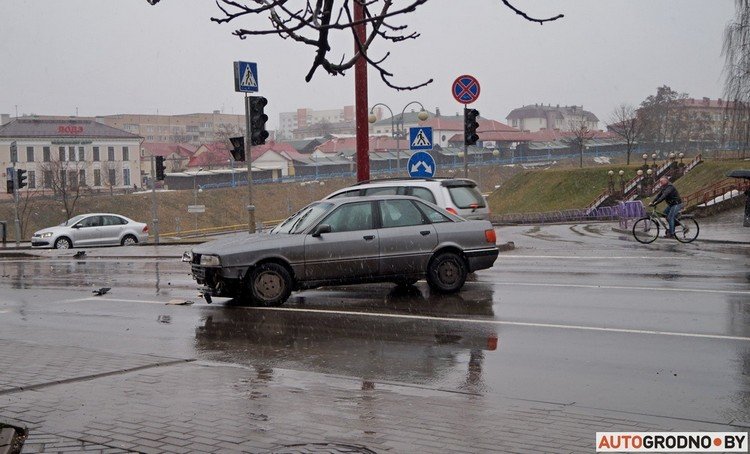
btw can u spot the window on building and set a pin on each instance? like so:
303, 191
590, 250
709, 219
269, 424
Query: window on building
63, 179
97, 177
112, 177
61, 154
29, 154
14, 154
126, 177
71, 153
110, 153
81, 154
96, 154
73, 178
32, 179
47, 179
82, 177
125, 154
46, 154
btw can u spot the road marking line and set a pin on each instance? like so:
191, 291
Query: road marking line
120, 300
508, 323
621, 287
469, 320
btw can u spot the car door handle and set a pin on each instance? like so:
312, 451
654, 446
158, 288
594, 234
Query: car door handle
424, 232
369, 237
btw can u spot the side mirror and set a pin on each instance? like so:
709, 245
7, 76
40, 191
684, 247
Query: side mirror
321, 229
75, 226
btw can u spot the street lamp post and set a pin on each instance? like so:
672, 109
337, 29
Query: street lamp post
195, 195
621, 173
645, 160
611, 174
397, 126
653, 156
640, 183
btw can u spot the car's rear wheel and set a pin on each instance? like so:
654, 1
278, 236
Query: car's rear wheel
270, 284
446, 272
63, 243
129, 240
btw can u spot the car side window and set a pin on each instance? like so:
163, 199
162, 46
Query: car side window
423, 193
432, 214
388, 190
112, 220
400, 213
350, 217
91, 221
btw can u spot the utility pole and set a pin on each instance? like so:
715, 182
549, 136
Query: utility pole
154, 211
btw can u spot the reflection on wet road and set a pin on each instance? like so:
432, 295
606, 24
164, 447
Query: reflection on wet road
576, 314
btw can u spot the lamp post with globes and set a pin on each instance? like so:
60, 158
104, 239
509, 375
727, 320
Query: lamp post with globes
640, 182
653, 156
397, 125
611, 174
645, 160
621, 173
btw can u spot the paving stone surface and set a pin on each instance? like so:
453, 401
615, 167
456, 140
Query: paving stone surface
113, 403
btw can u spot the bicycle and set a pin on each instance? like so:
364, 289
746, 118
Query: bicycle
646, 229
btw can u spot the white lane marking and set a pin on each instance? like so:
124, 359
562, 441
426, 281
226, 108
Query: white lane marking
468, 320
599, 257
508, 323
119, 300
622, 287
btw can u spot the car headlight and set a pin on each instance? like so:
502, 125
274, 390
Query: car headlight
210, 260
187, 256
47, 234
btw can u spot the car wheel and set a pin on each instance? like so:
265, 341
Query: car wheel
446, 272
63, 243
129, 240
270, 284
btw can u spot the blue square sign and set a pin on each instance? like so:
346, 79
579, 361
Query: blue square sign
245, 76
420, 138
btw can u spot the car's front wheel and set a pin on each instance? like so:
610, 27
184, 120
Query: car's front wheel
63, 243
446, 272
270, 284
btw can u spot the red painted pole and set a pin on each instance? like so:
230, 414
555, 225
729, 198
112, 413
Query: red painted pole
360, 99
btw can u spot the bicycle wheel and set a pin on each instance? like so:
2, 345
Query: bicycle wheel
686, 229
646, 230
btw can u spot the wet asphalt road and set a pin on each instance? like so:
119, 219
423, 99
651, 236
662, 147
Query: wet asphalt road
575, 314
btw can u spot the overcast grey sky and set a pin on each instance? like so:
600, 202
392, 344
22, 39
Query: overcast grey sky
105, 57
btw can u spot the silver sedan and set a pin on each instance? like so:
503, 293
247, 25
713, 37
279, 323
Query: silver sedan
346, 241
93, 229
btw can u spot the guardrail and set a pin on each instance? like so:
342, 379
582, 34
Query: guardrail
715, 190
623, 210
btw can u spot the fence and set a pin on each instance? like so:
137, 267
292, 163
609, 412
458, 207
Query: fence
623, 211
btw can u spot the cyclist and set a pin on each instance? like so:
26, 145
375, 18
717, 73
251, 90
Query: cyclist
669, 194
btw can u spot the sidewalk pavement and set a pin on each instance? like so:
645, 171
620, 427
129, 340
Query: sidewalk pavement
724, 228
84, 400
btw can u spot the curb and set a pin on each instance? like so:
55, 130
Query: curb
700, 240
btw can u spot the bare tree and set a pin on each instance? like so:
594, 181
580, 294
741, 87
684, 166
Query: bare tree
315, 23
28, 202
63, 178
626, 124
581, 134
109, 175
663, 117
737, 76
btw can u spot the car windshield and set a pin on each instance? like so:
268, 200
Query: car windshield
302, 219
73, 220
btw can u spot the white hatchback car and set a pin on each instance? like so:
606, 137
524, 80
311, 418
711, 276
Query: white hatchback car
93, 229
458, 196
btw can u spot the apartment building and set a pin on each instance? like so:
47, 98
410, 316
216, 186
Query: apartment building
306, 122
539, 117
194, 129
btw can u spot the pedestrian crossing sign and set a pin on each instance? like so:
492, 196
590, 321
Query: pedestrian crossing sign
245, 76
420, 138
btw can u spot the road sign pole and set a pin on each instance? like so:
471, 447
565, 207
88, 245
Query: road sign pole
466, 152
248, 161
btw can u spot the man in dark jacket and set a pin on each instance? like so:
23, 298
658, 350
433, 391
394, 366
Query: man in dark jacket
669, 194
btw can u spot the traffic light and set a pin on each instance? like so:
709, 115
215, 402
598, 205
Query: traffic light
159, 168
258, 120
238, 148
9, 186
470, 126
21, 178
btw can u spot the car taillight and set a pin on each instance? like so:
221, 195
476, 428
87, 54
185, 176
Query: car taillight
145, 229
490, 235
451, 211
